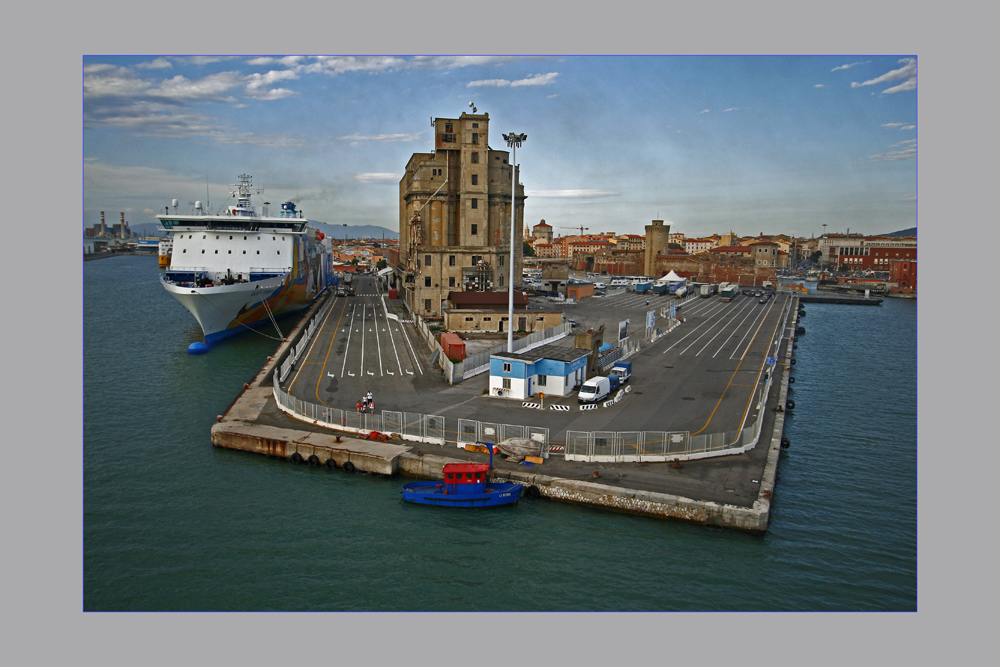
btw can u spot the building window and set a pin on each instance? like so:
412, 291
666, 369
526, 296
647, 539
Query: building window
474, 230
506, 367
427, 260
506, 383
451, 260
487, 319
451, 281
475, 126
427, 281
475, 179
542, 380
475, 158
475, 203
468, 319
475, 137
448, 127
500, 260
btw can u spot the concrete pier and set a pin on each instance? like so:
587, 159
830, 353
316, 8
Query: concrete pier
733, 491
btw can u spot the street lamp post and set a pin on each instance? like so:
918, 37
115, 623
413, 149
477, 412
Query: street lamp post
513, 141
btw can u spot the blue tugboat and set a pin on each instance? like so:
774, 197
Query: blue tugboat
464, 485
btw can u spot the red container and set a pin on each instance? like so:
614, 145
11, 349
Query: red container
453, 346
393, 294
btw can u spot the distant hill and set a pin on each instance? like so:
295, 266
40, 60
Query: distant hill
335, 232
912, 231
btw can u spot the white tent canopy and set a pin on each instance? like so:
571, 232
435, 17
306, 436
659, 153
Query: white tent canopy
673, 277
384, 272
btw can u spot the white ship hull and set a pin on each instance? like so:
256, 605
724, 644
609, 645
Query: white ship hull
226, 310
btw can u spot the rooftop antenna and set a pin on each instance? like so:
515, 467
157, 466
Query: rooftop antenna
473, 107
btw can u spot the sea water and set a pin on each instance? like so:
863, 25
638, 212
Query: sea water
172, 523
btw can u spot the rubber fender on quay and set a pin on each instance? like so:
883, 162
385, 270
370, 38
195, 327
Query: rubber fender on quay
793, 362
296, 458
348, 466
313, 460
786, 443
532, 492
791, 380
330, 463
789, 404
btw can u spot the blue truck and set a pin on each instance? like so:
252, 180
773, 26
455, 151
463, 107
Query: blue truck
622, 371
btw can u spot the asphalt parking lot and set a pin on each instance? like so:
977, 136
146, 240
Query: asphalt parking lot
701, 377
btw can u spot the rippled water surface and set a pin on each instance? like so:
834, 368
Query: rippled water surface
171, 523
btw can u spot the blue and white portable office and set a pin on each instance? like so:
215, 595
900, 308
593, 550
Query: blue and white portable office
550, 369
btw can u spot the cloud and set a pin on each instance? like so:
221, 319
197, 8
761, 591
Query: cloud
453, 62
908, 71
257, 83
731, 109
530, 80
157, 63
211, 87
97, 68
901, 126
333, 65
357, 139
565, 194
704, 111
380, 178
849, 66
908, 153
818, 85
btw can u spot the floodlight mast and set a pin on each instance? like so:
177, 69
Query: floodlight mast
513, 141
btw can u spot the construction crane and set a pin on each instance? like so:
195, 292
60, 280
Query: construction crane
580, 228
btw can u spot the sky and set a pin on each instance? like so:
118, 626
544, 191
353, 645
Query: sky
709, 144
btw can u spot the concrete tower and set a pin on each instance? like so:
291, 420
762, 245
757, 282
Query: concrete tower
657, 241
454, 216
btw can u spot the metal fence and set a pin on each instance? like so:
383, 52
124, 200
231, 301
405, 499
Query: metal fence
472, 432
303, 344
409, 425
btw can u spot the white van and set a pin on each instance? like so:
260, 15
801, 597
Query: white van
619, 282
595, 389
599, 285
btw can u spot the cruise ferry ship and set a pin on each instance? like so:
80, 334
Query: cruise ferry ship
240, 268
